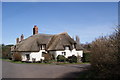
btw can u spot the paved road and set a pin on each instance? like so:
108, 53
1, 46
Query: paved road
13, 70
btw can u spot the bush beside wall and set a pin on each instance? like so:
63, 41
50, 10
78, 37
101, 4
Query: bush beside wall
47, 57
86, 57
72, 59
17, 56
61, 58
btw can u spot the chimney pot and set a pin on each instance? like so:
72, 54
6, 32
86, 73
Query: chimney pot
17, 40
22, 37
35, 30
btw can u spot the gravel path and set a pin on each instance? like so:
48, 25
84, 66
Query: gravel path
13, 70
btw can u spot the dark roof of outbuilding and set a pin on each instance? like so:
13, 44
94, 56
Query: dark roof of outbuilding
53, 42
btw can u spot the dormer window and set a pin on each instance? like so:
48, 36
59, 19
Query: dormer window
67, 47
42, 47
74, 46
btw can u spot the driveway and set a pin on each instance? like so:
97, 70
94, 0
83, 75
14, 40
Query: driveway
13, 70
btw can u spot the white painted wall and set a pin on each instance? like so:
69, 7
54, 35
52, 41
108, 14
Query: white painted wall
80, 53
68, 53
53, 52
36, 55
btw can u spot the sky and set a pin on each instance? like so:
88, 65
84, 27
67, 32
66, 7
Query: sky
60, 0
0, 23
88, 20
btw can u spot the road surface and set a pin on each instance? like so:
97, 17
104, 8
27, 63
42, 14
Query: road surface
14, 70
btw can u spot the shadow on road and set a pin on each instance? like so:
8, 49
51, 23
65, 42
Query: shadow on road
77, 75
68, 76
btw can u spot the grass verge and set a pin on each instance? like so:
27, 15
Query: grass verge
56, 63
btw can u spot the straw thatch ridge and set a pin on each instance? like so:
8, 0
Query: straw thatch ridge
52, 42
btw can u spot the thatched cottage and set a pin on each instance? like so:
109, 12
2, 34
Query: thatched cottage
33, 47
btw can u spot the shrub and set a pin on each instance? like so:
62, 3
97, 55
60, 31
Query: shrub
47, 57
103, 56
6, 51
102, 53
61, 58
72, 59
17, 56
86, 57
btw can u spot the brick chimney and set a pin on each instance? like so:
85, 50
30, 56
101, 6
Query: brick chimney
17, 40
35, 30
22, 37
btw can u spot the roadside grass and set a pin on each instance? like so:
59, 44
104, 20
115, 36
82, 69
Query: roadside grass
12, 61
19, 62
55, 63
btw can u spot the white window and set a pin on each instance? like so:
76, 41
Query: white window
73, 46
63, 53
42, 47
67, 48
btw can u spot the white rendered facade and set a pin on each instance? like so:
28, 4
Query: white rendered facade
38, 55
67, 53
33, 55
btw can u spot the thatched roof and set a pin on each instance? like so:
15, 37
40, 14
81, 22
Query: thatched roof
53, 42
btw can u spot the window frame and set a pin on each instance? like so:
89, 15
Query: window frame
64, 53
67, 47
42, 46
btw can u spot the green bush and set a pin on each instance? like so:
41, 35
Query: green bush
61, 58
86, 57
6, 51
72, 59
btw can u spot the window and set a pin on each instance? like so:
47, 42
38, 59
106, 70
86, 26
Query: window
74, 46
67, 48
15, 47
63, 53
28, 56
42, 47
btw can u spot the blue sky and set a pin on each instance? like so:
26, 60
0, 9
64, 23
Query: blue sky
0, 23
88, 20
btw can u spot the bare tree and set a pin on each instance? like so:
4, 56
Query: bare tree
77, 39
117, 41
106, 54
